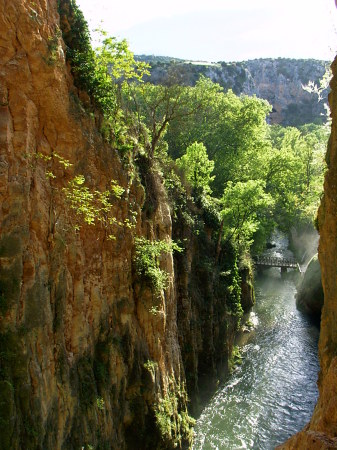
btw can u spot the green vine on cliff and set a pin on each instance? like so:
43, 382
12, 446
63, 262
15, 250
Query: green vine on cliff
147, 261
90, 205
152, 367
172, 418
53, 45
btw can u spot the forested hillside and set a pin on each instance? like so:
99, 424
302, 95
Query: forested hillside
280, 81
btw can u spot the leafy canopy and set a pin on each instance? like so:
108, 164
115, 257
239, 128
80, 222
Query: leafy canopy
205, 130
295, 172
243, 205
234, 131
197, 168
157, 107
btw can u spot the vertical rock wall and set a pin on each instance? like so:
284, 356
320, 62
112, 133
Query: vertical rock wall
75, 330
84, 360
321, 432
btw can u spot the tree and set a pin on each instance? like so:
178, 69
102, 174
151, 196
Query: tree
103, 73
197, 168
244, 203
159, 106
295, 172
234, 131
115, 67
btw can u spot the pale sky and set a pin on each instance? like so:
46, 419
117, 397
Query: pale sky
220, 30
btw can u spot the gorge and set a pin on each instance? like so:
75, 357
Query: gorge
122, 280
271, 394
280, 81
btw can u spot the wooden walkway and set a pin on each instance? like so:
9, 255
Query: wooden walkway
273, 261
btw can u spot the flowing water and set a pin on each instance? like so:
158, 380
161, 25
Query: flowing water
272, 394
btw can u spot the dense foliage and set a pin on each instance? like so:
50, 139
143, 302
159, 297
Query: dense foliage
233, 130
245, 205
103, 72
261, 175
295, 172
212, 147
147, 261
197, 168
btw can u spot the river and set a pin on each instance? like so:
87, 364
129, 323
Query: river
271, 395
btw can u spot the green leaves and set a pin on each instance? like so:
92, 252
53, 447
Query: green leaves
243, 205
103, 72
92, 206
197, 168
115, 58
227, 141
159, 106
113, 65
232, 128
172, 418
295, 173
147, 261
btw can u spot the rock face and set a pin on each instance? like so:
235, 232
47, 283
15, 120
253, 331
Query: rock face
321, 432
280, 81
85, 359
310, 296
247, 289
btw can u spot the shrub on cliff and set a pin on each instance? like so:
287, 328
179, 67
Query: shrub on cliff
102, 72
147, 261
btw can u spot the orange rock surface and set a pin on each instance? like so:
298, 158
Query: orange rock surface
72, 313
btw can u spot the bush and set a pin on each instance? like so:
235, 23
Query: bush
102, 73
147, 261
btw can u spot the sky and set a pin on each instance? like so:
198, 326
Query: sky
220, 30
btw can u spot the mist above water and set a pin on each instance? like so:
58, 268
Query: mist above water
305, 243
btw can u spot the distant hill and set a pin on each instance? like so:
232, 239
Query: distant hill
280, 81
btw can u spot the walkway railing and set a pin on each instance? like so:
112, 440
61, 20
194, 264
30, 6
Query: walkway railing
274, 261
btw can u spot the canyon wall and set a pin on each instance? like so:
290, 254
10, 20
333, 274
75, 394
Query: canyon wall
90, 356
321, 432
280, 81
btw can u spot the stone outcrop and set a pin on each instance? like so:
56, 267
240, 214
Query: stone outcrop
310, 296
247, 289
321, 432
280, 81
90, 357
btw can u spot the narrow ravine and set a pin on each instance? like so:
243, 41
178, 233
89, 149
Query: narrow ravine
272, 394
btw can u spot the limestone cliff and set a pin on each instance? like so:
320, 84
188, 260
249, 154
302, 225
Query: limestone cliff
280, 81
86, 360
321, 432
